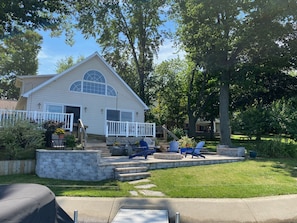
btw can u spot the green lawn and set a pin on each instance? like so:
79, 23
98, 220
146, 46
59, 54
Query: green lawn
250, 178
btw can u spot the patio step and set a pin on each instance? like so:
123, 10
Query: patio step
131, 173
133, 176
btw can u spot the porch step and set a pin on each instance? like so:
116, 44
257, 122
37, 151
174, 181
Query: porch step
135, 169
131, 173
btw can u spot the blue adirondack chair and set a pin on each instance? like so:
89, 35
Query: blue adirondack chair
142, 150
197, 150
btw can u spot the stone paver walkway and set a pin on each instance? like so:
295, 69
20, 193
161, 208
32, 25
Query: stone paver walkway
143, 189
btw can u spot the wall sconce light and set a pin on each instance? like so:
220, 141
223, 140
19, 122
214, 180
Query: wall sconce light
39, 105
136, 113
85, 109
102, 110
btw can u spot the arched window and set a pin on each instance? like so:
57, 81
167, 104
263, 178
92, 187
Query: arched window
94, 83
95, 76
76, 86
111, 91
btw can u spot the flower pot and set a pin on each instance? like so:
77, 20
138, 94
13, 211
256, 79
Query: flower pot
253, 154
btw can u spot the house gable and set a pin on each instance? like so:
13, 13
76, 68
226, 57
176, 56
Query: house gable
92, 91
106, 66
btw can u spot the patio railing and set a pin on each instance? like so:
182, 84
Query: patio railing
127, 129
9, 117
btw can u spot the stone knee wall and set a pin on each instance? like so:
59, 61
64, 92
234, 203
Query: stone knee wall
226, 151
68, 164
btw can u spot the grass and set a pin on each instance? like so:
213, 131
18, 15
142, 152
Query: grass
107, 188
251, 178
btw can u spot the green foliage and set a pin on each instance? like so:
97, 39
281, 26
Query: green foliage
170, 93
18, 57
70, 140
21, 137
66, 63
17, 16
186, 142
276, 148
285, 117
244, 43
179, 132
254, 121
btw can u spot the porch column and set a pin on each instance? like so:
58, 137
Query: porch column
127, 129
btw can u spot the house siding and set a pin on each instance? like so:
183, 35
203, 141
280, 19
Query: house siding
58, 92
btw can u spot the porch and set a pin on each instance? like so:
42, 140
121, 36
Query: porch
130, 129
9, 117
112, 128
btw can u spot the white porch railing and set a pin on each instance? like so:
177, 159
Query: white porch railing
118, 128
9, 117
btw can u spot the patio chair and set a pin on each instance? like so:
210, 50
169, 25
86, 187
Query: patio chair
142, 150
173, 146
197, 150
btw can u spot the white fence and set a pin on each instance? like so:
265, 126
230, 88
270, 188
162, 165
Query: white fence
9, 117
118, 128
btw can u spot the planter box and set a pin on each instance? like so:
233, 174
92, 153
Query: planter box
186, 150
117, 151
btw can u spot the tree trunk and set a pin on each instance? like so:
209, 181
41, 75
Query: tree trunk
192, 126
224, 111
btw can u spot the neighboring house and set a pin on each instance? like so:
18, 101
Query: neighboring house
205, 126
91, 89
8, 104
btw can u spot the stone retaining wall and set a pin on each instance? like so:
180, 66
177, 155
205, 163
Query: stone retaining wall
68, 164
87, 165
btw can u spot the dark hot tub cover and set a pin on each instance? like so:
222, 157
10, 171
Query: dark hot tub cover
30, 203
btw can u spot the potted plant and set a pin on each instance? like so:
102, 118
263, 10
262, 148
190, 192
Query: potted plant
50, 126
60, 132
186, 144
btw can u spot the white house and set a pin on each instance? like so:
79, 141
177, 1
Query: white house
91, 90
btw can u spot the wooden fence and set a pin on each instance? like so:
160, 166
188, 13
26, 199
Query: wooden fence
9, 167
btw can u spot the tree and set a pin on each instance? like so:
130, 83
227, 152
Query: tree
17, 16
218, 35
170, 100
18, 58
66, 63
202, 97
128, 32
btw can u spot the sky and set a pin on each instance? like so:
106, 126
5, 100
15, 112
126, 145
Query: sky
54, 49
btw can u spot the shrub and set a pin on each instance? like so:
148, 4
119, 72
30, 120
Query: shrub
70, 141
179, 132
275, 148
20, 138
